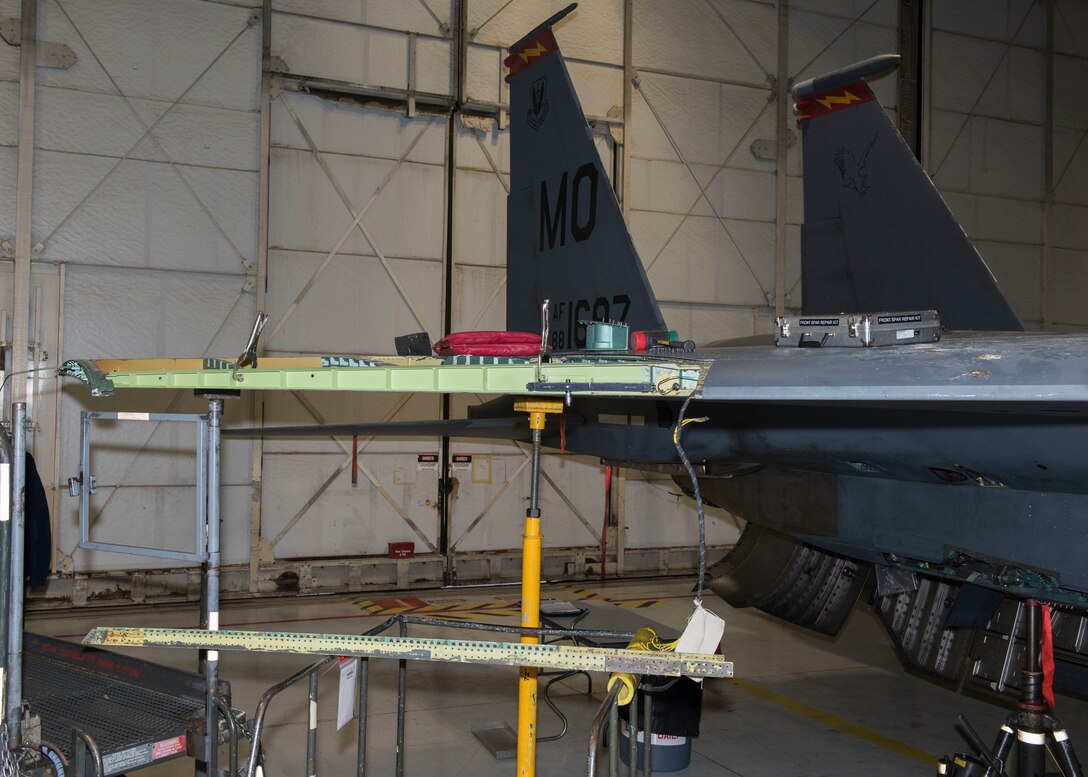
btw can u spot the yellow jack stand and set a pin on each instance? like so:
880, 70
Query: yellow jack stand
538, 410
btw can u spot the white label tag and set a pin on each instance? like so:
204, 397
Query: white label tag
702, 634
134, 416
345, 704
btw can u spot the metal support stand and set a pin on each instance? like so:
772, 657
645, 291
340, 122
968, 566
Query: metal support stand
530, 588
209, 659
402, 692
1034, 731
14, 690
5, 552
360, 705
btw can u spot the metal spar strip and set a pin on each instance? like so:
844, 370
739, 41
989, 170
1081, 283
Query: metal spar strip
566, 657
604, 378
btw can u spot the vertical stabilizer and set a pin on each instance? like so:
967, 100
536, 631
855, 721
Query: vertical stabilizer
566, 239
877, 235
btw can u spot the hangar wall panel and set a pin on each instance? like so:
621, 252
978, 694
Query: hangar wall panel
990, 146
145, 206
357, 239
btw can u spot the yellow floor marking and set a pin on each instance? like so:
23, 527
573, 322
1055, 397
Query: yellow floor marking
632, 603
861, 732
440, 607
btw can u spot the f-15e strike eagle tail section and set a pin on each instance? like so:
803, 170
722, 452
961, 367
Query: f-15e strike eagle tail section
877, 235
566, 239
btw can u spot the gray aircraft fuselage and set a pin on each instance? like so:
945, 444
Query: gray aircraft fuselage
938, 470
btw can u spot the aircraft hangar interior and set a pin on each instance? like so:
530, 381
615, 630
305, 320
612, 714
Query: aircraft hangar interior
472, 387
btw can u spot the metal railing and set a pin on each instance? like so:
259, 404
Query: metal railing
610, 711
312, 673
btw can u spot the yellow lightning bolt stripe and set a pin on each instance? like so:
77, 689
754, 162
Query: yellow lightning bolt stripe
837, 99
536, 51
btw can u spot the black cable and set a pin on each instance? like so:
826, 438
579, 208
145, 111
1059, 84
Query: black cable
677, 431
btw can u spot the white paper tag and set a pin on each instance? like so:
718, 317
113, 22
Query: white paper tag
702, 634
345, 704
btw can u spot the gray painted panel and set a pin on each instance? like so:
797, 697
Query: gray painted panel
1070, 279
990, 156
348, 520
156, 518
1072, 20
998, 20
9, 55
405, 219
965, 67
736, 194
353, 307
1070, 167
1070, 75
343, 128
810, 34
358, 55
81, 122
600, 87
157, 50
688, 37
473, 287
283, 409
113, 313
479, 217
1071, 226
9, 113
594, 32
701, 263
497, 142
434, 66
1017, 269
997, 218
484, 72
711, 123
394, 14
708, 323
144, 214
8, 167
885, 12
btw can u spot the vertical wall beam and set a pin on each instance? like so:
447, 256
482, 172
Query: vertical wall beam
24, 198
925, 89
263, 187
782, 125
460, 53
620, 485
910, 73
1047, 269
624, 189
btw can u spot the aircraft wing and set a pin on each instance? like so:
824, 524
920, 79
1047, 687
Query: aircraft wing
986, 367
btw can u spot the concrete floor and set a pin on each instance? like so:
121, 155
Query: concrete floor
802, 705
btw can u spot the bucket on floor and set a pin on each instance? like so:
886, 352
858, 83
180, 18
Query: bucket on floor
677, 709
668, 752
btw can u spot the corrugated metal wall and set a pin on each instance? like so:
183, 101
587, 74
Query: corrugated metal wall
147, 183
